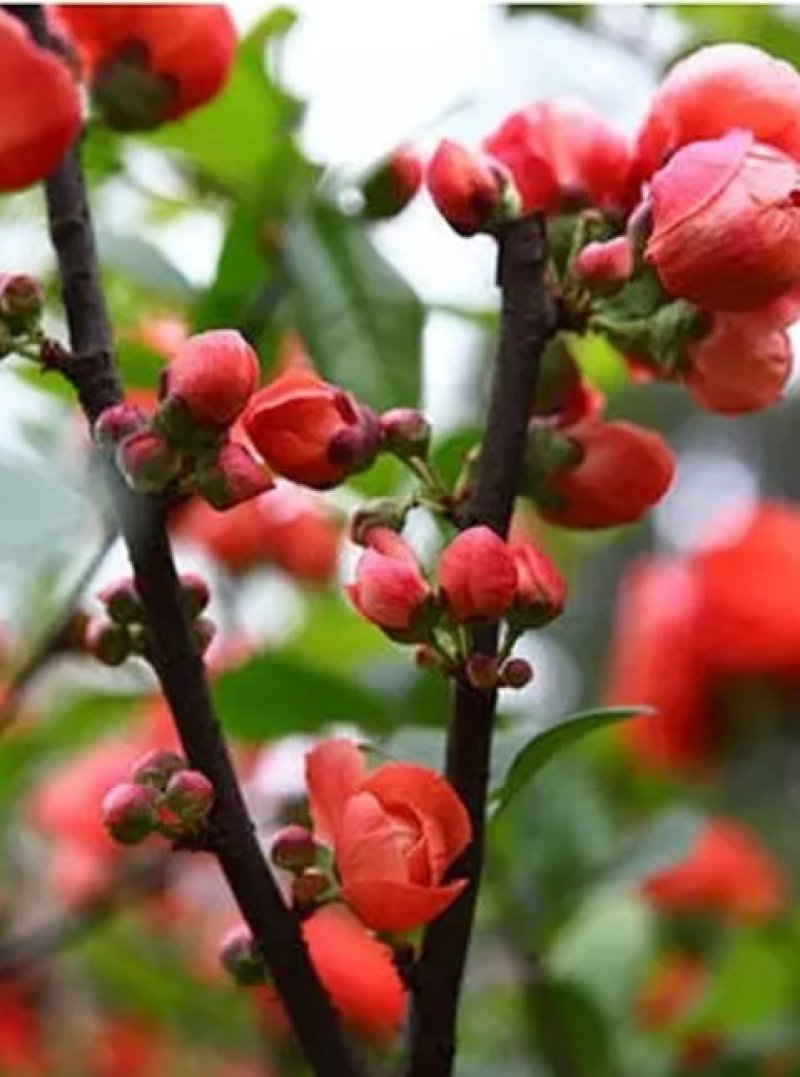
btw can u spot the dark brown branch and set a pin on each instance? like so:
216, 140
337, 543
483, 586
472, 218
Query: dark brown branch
528, 319
179, 669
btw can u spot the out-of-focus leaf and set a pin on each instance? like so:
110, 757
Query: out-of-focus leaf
570, 1029
548, 742
43, 512
449, 455
599, 361
145, 264
139, 365
334, 637
764, 25
754, 984
664, 842
361, 319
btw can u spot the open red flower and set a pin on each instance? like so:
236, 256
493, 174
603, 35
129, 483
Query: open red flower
150, 63
40, 112
394, 832
726, 223
309, 431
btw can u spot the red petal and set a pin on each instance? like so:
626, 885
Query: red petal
334, 772
386, 905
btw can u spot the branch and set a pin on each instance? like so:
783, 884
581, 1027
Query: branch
142, 521
528, 319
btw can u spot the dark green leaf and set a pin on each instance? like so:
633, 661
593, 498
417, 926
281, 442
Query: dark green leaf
544, 745
360, 318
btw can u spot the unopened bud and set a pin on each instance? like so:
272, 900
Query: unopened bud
156, 767
203, 630
406, 433
117, 423
605, 263
472, 192
241, 957
147, 461
234, 476
482, 671
195, 594
189, 795
294, 848
390, 187
385, 512
426, 657
516, 673
21, 301
108, 642
122, 602
354, 447
129, 813
309, 887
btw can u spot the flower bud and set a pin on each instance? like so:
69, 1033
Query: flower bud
234, 476
541, 590
213, 375
389, 588
202, 630
387, 513
308, 887
390, 187
117, 423
21, 301
406, 433
241, 957
426, 657
147, 461
195, 594
129, 813
122, 602
477, 576
516, 673
156, 767
108, 642
189, 795
311, 432
294, 848
605, 263
482, 670
471, 191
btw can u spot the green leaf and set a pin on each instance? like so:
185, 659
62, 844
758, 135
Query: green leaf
753, 984
659, 845
570, 1027
361, 320
140, 366
549, 742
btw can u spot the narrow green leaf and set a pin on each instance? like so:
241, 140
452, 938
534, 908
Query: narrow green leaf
549, 742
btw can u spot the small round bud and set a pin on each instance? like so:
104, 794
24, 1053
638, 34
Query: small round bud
406, 433
122, 602
21, 301
426, 657
156, 767
129, 813
117, 423
108, 642
241, 957
482, 671
189, 795
308, 887
516, 673
605, 264
234, 476
195, 594
203, 631
294, 848
147, 461
392, 184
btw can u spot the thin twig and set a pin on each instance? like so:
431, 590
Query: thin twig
142, 521
528, 319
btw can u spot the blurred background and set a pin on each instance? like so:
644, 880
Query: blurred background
639, 915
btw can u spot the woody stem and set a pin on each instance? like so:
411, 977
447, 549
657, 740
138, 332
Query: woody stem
142, 521
528, 319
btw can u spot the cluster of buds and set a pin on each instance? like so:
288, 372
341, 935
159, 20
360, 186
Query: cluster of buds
163, 796
186, 445
294, 850
482, 579
122, 630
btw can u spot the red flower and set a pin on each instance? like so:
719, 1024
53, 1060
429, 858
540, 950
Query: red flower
742, 364
715, 90
467, 189
562, 150
232, 477
726, 223
395, 833
389, 588
213, 375
623, 471
477, 575
390, 187
541, 589
40, 114
726, 872
185, 53
309, 431
676, 986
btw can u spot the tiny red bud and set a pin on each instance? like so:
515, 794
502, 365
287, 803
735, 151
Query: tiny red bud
426, 657
469, 189
195, 594
233, 477
203, 630
108, 642
122, 602
606, 263
156, 767
147, 461
482, 671
241, 957
390, 187
516, 673
21, 301
190, 795
119, 422
309, 887
406, 433
128, 813
294, 848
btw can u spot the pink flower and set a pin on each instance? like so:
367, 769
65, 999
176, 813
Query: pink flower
389, 588
477, 575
